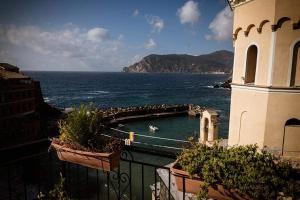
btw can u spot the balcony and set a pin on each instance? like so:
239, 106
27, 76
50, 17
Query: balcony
135, 178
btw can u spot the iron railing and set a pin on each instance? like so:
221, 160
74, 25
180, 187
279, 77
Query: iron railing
25, 178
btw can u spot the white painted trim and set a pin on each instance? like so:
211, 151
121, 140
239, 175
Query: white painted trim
272, 58
245, 65
257, 61
266, 90
257, 65
288, 84
233, 76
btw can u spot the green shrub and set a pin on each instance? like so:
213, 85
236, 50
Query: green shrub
259, 175
82, 129
80, 126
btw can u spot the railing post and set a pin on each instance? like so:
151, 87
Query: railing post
155, 184
142, 181
25, 190
87, 177
119, 186
107, 182
97, 174
64, 174
183, 183
9, 183
77, 181
130, 188
51, 169
63, 169
169, 188
68, 179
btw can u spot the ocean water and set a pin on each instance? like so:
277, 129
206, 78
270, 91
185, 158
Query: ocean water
66, 89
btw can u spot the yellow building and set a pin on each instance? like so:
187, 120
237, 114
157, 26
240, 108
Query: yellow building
265, 100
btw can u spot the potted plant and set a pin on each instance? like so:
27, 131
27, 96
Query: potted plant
240, 172
80, 140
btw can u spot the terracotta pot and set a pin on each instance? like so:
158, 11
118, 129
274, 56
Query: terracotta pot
193, 185
105, 161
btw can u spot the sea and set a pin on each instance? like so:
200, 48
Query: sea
117, 89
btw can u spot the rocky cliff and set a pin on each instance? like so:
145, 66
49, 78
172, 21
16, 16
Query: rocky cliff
216, 62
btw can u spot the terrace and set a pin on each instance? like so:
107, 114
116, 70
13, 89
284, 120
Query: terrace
135, 178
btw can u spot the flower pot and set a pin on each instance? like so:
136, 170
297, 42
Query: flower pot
193, 185
105, 161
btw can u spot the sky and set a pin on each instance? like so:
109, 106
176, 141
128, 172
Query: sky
107, 35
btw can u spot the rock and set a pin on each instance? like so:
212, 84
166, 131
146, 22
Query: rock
226, 84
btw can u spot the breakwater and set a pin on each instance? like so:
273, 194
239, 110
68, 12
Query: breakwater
124, 114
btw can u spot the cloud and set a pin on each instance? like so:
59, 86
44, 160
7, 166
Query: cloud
189, 13
69, 46
121, 37
156, 23
151, 44
135, 13
136, 58
98, 34
221, 26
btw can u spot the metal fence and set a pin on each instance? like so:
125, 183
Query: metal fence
25, 178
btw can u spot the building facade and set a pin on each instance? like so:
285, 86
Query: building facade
20, 99
265, 99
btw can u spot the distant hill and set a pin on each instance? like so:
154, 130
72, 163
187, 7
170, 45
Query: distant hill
216, 62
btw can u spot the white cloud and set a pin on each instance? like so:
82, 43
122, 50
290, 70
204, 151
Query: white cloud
156, 23
120, 37
135, 13
221, 26
189, 13
98, 34
136, 58
69, 46
151, 44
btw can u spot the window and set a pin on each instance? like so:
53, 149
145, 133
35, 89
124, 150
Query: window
292, 122
290, 145
251, 65
295, 76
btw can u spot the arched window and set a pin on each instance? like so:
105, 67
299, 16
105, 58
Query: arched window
292, 121
295, 75
290, 144
251, 64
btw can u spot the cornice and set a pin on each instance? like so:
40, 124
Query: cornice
235, 3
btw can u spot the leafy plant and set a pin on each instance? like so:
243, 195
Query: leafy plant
259, 175
80, 126
57, 193
82, 130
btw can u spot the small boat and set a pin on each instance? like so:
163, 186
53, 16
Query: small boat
121, 125
153, 128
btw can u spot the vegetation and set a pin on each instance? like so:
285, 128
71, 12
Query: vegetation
219, 61
259, 175
82, 130
57, 193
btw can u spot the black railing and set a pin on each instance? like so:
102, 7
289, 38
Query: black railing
25, 178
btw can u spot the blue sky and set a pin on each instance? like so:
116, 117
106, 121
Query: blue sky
106, 35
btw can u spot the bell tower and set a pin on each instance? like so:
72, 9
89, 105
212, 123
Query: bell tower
265, 99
